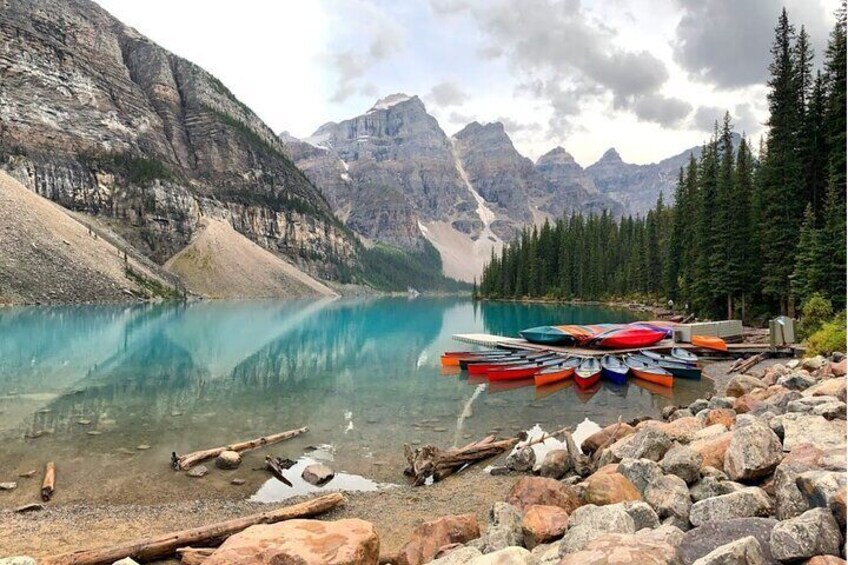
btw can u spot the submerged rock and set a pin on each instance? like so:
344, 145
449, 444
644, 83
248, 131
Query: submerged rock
197, 472
228, 460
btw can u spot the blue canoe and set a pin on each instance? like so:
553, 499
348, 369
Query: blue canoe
614, 369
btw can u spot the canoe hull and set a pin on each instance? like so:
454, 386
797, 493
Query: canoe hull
709, 342
653, 377
549, 377
585, 380
617, 377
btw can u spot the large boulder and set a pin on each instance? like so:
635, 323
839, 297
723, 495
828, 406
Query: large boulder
815, 430
228, 460
743, 384
640, 472
789, 501
824, 489
700, 541
647, 443
556, 464
623, 549
340, 542
724, 416
609, 488
797, 380
712, 450
669, 497
709, 487
429, 537
606, 436
589, 522
746, 503
643, 515
744, 551
828, 387
504, 529
753, 452
682, 430
684, 462
814, 532
543, 524
528, 491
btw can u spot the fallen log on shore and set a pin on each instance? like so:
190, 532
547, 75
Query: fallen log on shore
430, 461
183, 462
47, 486
743, 365
165, 545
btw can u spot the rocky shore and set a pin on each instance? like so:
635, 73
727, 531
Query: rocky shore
754, 474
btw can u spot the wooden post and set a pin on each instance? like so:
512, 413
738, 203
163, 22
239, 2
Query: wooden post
149, 549
49, 481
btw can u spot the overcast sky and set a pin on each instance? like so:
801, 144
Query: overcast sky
646, 76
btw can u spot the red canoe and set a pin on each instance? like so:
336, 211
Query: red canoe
631, 336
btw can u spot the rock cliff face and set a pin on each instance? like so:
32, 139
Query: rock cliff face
566, 188
100, 119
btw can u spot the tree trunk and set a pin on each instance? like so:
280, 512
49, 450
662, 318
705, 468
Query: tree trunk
165, 545
181, 463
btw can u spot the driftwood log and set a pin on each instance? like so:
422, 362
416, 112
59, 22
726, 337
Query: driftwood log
183, 462
49, 483
166, 545
431, 462
743, 365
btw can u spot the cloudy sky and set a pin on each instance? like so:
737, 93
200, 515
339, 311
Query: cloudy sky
646, 76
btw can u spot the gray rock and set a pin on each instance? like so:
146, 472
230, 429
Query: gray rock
806, 404
754, 452
647, 443
708, 471
504, 529
745, 503
743, 384
681, 413
700, 541
831, 411
797, 380
814, 532
669, 497
590, 521
317, 474
499, 470
556, 464
720, 402
18, 560
506, 556
813, 363
698, 405
667, 411
458, 556
664, 533
683, 462
547, 553
228, 460
643, 515
776, 403
822, 489
11, 485
822, 433
640, 472
709, 487
522, 460
197, 472
744, 551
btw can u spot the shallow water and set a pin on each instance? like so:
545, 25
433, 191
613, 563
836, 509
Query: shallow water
108, 392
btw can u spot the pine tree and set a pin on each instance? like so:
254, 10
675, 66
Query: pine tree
807, 277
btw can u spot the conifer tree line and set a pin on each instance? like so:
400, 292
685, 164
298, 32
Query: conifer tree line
748, 233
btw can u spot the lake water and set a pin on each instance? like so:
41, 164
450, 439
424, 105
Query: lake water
108, 392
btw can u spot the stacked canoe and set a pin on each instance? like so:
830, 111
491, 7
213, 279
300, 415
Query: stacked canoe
548, 367
609, 336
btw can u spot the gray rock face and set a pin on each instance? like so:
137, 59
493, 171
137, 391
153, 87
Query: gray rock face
590, 521
147, 139
754, 452
458, 556
815, 430
744, 551
228, 460
504, 529
708, 487
743, 384
825, 489
640, 472
643, 515
797, 380
669, 496
647, 443
699, 542
521, 460
565, 187
746, 503
814, 532
683, 462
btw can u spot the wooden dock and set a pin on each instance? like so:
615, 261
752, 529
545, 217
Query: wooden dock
733, 349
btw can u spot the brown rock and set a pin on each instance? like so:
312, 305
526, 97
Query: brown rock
342, 542
683, 429
428, 538
838, 369
743, 384
712, 450
746, 403
830, 387
825, 560
723, 416
228, 460
543, 524
528, 491
317, 474
609, 488
597, 439
623, 549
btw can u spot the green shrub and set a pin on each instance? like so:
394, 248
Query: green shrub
815, 311
830, 337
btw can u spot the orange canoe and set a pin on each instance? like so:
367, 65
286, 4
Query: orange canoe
550, 376
709, 342
653, 377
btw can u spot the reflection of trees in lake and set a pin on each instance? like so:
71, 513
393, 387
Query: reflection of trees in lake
507, 318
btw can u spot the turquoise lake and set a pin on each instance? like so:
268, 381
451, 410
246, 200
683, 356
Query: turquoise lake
108, 392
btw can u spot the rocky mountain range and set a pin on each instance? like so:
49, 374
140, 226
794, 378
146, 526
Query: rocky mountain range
393, 175
101, 120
